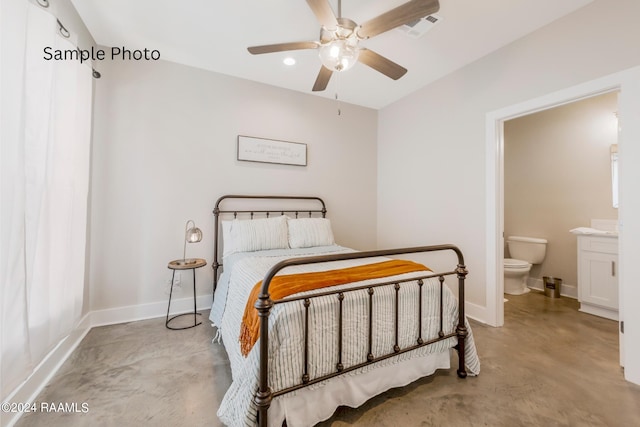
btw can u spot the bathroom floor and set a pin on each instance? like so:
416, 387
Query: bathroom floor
549, 365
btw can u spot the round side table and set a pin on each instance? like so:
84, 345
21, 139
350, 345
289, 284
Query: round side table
184, 264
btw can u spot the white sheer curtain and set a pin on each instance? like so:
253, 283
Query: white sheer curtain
44, 201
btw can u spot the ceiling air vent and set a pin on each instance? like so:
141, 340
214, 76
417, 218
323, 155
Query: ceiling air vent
417, 28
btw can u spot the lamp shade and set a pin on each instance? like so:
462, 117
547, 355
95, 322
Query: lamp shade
339, 55
192, 234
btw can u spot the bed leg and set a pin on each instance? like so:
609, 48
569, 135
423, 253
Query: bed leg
263, 397
462, 336
263, 401
461, 329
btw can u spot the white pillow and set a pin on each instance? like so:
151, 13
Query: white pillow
310, 232
227, 241
258, 234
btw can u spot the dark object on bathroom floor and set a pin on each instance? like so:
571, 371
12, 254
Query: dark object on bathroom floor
552, 286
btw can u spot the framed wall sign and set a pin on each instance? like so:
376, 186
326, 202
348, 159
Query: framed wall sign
251, 149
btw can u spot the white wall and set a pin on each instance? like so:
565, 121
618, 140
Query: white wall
438, 133
165, 150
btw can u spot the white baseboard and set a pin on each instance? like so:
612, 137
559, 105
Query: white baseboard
595, 310
475, 312
133, 313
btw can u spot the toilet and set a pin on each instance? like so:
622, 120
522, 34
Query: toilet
524, 251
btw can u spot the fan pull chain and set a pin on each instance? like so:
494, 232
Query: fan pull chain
337, 90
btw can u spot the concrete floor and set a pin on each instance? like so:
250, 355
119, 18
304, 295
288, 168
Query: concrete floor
550, 365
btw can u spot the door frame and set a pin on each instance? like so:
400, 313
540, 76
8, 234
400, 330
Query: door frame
495, 177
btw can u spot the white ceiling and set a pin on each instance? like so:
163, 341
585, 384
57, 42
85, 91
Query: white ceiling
214, 35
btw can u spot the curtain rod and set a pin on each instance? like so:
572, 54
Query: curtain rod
65, 33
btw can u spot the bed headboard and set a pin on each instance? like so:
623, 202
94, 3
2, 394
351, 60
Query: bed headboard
250, 206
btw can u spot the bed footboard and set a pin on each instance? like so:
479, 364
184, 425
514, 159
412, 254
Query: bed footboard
264, 305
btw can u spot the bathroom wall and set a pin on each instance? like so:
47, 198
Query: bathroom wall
557, 177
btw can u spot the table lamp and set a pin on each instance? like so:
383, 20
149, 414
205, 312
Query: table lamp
191, 235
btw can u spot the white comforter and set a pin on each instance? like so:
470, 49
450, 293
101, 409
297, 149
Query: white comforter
286, 339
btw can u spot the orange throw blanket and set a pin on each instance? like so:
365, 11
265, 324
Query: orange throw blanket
289, 284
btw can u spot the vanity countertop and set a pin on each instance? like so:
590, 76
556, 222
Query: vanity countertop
593, 231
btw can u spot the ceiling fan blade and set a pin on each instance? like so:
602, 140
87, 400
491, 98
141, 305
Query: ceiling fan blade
281, 47
322, 80
410, 11
324, 13
381, 64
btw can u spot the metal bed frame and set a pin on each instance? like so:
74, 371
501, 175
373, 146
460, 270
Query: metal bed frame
264, 304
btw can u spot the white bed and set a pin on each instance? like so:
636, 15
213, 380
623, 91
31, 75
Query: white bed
286, 333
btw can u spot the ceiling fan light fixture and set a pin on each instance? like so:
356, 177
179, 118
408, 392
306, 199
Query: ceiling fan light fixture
339, 55
339, 37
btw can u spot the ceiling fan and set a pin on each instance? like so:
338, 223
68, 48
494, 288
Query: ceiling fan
339, 39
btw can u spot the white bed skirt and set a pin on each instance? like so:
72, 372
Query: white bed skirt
309, 406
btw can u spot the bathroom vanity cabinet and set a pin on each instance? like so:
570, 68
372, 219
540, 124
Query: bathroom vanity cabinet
598, 275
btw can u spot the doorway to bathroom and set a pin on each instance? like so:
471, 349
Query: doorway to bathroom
557, 177
629, 104
628, 84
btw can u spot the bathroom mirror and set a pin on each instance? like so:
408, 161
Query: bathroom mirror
614, 174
